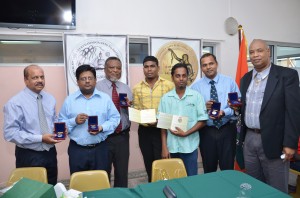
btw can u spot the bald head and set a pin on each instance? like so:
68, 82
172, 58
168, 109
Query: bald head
259, 54
28, 68
261, 42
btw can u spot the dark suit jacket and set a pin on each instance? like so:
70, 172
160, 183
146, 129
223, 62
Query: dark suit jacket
280, 111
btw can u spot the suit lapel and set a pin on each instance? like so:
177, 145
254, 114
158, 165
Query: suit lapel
270, 86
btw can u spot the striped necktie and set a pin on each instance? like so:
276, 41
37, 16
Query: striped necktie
43, 122
116, 101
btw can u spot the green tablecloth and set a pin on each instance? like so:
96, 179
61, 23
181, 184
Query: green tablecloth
218, 184
27, 188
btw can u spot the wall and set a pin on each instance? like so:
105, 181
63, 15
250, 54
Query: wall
273, 20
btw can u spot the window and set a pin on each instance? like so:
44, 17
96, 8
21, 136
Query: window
288, 56
137, 52
139, 49
208, 49
31, 52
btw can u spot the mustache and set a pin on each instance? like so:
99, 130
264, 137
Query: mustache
38, 84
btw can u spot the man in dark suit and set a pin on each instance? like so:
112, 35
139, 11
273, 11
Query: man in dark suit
270, 116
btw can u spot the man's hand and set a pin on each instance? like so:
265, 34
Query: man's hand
178, 132
81, 118
48, 139
235, 108
97, 132
152, 124
220, 115
165, 154
289, 153
209, 104
129, 103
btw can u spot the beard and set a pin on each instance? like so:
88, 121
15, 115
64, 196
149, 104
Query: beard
87, 91
113, 79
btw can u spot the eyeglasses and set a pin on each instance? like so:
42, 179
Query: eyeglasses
90, 78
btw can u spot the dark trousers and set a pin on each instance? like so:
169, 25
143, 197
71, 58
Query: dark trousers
217, 146
118, 156
189, 160
83, 158
31, 158
150, 145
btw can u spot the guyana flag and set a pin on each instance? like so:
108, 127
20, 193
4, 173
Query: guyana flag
242, 69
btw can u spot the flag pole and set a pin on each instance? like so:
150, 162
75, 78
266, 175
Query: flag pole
240, 31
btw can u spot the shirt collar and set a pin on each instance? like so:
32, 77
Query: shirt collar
109, 83
158, 80
186, 93
95, 93
263, 73
216, 79
32, 93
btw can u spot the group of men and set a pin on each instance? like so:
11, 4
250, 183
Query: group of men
270, 125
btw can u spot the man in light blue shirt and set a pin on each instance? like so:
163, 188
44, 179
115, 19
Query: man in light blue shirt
217, 139
88, 149
183, 101
34, 147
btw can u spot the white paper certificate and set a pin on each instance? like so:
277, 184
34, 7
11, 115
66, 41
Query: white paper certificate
142, 116
169, 121
180, 122
164, 120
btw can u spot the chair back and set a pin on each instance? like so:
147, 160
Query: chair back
297, 193
89, 180
168, 169
34, 173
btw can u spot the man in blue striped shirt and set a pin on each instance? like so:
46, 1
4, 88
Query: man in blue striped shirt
34, 147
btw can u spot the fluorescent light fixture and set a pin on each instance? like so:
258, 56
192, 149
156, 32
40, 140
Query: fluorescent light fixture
20, 42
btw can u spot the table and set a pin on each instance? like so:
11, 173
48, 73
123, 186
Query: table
30, 189
219, 184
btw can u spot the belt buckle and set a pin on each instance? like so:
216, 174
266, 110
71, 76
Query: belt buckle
257, 130
91, 145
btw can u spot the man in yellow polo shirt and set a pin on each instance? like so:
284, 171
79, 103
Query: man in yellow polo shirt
146, 95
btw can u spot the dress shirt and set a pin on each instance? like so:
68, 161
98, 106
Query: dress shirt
254, 98
99, 104
146, 98
191, 105
106, 87
21, 120
224, 85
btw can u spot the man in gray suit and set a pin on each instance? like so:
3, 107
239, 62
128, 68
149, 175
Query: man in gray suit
270, 116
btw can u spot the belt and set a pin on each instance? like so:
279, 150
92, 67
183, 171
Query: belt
255, 130
125, 131
88, 146
224, 125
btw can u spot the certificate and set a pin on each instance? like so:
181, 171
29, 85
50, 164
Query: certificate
169, 121
142, 116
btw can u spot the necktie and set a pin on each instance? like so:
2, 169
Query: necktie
258, 78
43, 122
116, 101
214, 97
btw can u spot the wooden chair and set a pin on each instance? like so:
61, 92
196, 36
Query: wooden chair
168, 169
297, 194
34, 173
89, 180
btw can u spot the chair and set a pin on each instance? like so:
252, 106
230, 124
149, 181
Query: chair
297, 194
89, 180
168, 169
34, 173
